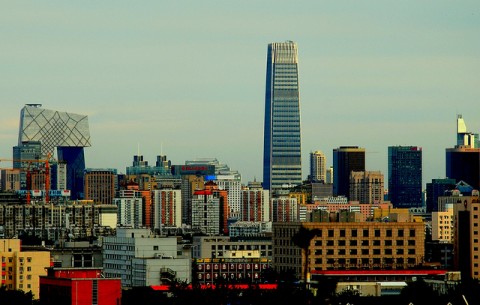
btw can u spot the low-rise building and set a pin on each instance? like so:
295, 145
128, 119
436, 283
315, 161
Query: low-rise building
79, 286
21, 269
139, 258
349, 246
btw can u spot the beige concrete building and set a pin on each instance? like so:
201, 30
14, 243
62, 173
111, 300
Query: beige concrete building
21, 269
466, 242
442, 225
366, 187
350, 246
225, 247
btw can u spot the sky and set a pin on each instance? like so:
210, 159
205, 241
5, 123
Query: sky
187, 78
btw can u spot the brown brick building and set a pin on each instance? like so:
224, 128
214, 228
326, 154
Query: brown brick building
350, 246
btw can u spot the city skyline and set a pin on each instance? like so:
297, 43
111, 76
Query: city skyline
160, 76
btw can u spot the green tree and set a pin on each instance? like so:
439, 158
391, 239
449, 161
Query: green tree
303, 239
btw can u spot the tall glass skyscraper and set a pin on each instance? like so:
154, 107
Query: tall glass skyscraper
282, 162
405, 176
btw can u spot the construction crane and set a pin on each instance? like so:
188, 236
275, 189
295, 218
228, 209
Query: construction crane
29, 170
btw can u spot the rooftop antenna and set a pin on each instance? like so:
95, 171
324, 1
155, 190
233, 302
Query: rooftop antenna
138, 149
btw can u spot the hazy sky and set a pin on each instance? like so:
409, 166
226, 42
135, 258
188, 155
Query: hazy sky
189, 76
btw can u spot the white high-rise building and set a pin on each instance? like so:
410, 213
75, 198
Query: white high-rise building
318, 166
233, 185
130, 208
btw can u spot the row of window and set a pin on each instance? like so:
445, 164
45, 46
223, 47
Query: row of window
21, 259
364, 242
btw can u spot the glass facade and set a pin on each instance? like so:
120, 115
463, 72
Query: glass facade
346, 159
67, 132
282, 137
405, 176
53, 128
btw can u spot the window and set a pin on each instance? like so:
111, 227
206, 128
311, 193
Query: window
353, 242
388, 242
354, 233
400, 232
330, 233
400, 251
365, 233
330, 243
377, 233
399, 242
376, 242
341, 243
411, 242
365, 242
376, 251
412, 232
342, 233
411, 251
155, 248
365, 252
388, 251
389, 233
341, 252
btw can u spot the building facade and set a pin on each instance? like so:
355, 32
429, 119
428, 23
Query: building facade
21, 269
67, 132
167, 208
79, 286
100, 185
350, 246
405, 176
435, 189
255, 203
208, 212
139, 258
318, 166
366, 187
463, 164
345, 160
130, 208
466, 244
282, 159
53, 222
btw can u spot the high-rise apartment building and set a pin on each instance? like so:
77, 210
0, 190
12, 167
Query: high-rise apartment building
318, 166
282, 158
405, 176
190, 184
345, 160
130, 207
255, 203
207, 214
366, 187
100, 185
168, 208
67, 132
